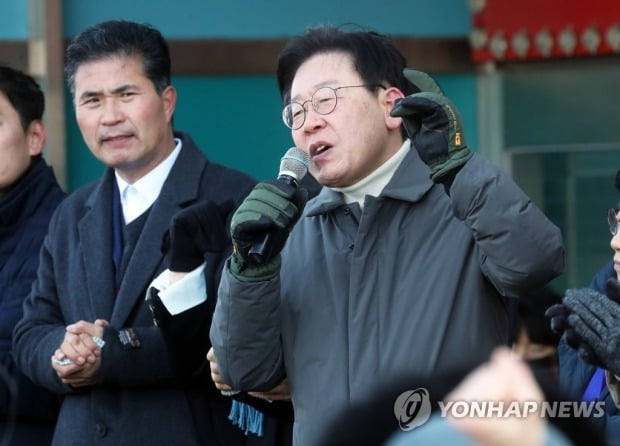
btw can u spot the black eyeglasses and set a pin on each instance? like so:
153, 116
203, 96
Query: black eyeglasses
323, 102
612, 220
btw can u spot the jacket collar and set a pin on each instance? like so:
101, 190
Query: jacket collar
25, 195
95, 228
182, 182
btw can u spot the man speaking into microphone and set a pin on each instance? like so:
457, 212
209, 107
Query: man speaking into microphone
404, 261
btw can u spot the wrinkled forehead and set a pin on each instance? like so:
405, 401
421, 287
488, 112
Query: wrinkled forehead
108, 73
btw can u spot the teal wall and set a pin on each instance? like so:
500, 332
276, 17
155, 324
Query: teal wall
250, 18
273, 18
14, 19
236, 120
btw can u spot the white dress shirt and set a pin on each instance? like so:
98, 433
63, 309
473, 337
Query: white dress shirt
136, 198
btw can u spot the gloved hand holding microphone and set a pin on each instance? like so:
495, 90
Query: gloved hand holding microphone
262, 223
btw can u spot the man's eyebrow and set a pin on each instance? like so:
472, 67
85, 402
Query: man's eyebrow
120, 89
123, 88
89, 94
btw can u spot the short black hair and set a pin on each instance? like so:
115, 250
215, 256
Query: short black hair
124, 38
23, 93
375, 57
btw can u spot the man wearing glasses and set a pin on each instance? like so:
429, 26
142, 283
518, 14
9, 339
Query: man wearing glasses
589, 354
402, 263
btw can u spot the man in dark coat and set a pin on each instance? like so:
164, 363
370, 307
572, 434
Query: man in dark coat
29, 194
87, 331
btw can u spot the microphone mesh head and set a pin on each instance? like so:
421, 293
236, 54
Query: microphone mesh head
294, 163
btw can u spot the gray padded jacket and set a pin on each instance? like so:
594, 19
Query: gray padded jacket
415, 284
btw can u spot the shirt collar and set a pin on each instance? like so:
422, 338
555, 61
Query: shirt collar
149, 186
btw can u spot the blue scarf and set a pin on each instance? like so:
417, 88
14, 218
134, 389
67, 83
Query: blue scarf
246, 418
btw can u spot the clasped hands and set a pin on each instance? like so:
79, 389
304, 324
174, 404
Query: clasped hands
590, 323
78, 359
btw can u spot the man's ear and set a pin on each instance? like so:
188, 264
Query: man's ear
389, 98
169, 96
35, 137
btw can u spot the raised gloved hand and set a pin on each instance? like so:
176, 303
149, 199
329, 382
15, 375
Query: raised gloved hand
272, 207
194, 231
596, 319
434, 126
422, 81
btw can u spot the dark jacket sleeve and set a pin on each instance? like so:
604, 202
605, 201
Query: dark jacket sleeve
500, 215
18, 394
41, 195
42, 329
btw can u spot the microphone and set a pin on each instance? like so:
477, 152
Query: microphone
293, 167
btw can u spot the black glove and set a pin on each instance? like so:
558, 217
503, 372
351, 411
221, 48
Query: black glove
558, 319
272, 207
596, 319
434, 126
195, 230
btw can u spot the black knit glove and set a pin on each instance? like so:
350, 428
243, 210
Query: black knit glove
558, 319
273, 207
434, 127
194, 231
596, 319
